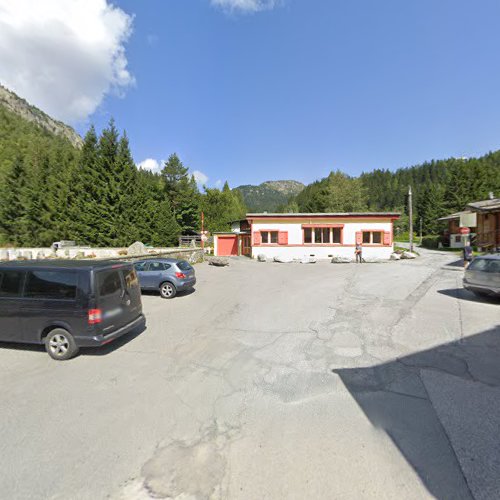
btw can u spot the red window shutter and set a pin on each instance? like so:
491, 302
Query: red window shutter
257, 238
359, 237
283, 238
387, 237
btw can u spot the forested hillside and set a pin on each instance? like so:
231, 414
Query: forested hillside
439, 188
95, 195
269, 195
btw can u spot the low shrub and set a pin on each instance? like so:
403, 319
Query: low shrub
431, 241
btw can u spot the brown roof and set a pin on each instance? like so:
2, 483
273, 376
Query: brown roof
491, 205
455, 215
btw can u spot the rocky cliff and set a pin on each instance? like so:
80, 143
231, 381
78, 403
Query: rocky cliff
20, 107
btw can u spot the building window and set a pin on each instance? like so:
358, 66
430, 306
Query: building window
269, 237
372, 237
323, 235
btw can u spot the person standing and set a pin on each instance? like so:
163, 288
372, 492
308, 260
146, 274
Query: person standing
359, 253
467, 254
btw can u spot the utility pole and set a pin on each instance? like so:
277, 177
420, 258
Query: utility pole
410, 213
420, 231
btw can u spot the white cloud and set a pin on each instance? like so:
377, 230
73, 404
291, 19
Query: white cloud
218, 184
150, 164
200, 178
246, 5
64, 56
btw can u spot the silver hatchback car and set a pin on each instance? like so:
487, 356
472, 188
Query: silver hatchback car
483, 275
168, 276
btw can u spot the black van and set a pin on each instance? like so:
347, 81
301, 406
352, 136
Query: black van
68, 304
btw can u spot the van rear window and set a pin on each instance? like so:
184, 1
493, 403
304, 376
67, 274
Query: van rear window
130, 277
10, 283
108, 282
51, 285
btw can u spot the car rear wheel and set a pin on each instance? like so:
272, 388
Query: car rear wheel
168, 290
60, 344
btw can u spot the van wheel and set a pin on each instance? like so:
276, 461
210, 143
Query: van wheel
168, 290
60, 344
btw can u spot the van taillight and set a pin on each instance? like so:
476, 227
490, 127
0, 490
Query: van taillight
95, 316
180, 275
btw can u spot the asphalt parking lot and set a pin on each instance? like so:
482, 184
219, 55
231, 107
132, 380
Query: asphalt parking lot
270, 381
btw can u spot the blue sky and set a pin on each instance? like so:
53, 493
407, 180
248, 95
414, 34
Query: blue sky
303, 87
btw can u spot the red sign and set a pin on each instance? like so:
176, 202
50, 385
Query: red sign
465, 230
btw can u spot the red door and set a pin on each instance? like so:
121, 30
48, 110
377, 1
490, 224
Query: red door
227, 245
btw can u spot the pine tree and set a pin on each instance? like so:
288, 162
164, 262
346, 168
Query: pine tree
13, 203
85, 193
182, 193
430, 206
108, 184
126, 180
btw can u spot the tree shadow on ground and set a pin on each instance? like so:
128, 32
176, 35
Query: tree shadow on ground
440, 408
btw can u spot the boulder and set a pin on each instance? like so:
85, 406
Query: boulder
395, 256
408, 255
137, 248
261, 257
283, 259
373, 260
218, 261
308, 260
339, 259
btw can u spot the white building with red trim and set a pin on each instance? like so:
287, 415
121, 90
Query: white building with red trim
322, 235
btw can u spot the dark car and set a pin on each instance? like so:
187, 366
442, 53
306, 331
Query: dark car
168, 276
66, 305
483, 275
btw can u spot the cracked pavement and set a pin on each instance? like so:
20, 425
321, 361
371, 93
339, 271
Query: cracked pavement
270, 381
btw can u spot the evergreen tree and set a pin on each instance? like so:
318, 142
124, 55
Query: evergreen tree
85, 193
108, 186
13, 204
430, 207
222, 207
182, 193
125, 174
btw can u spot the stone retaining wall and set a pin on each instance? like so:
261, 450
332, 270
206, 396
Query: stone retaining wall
190, 254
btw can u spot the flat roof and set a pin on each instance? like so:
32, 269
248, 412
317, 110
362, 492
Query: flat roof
329, 214
61, 263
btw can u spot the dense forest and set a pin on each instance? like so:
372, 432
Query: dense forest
51, 190
96, 195
439, 188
